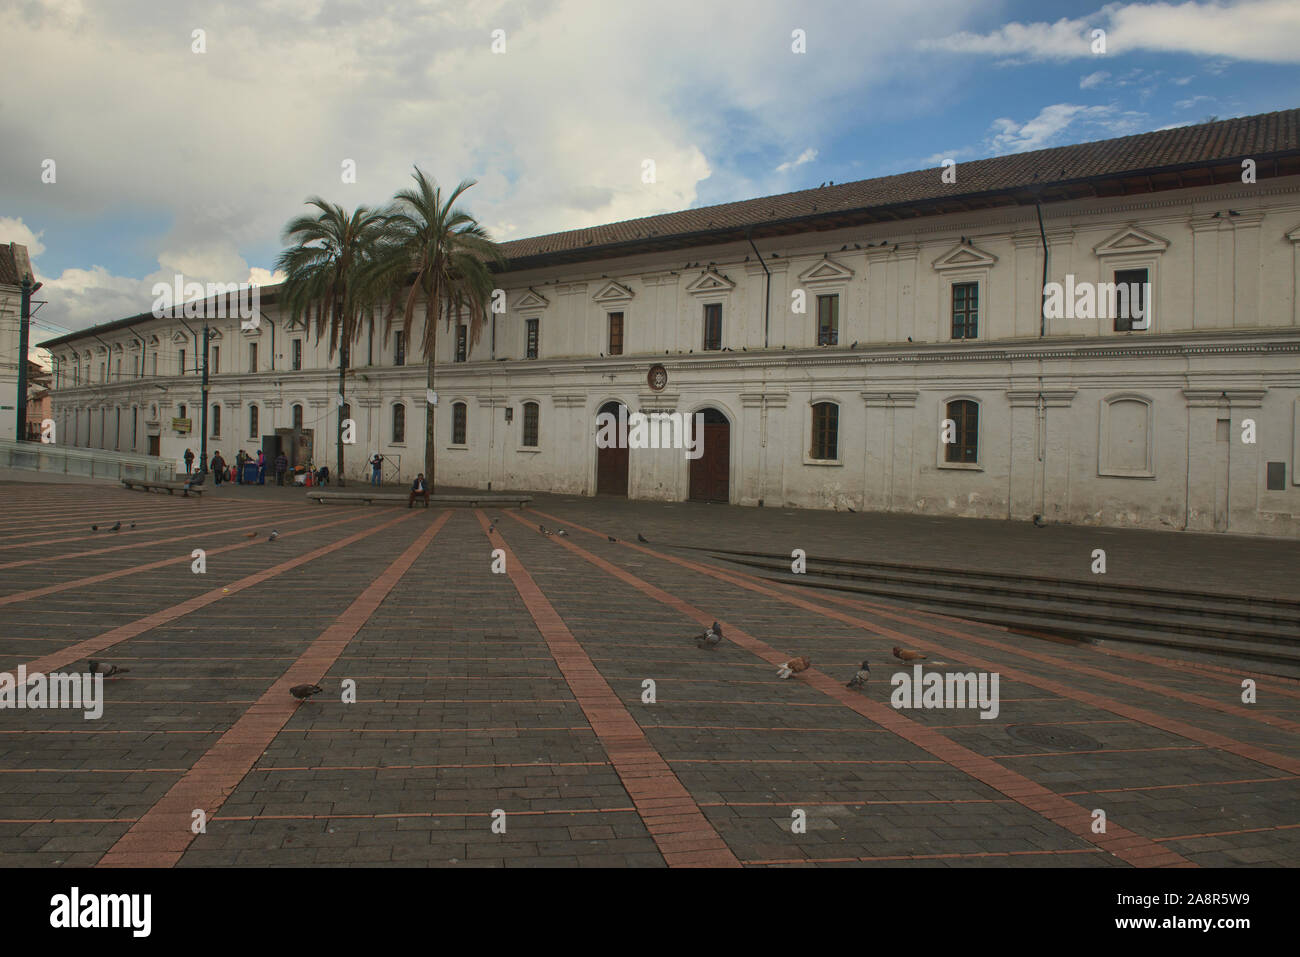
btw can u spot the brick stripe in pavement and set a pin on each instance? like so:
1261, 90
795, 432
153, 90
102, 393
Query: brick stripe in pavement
163, 834
675, 822
1133, 848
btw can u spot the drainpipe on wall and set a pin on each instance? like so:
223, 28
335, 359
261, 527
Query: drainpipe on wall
767, 290
1042, 305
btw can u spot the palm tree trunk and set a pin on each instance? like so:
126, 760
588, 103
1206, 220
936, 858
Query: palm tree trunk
343, 366
430, 410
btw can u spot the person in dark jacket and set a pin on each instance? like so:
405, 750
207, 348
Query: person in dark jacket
218, 468
261, 467
281, 466
189, 461
418, 487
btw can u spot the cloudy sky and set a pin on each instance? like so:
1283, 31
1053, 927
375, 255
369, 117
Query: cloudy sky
168, 160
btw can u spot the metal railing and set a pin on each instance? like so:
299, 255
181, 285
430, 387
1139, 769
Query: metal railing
89, 463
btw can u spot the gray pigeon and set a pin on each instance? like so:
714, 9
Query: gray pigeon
860, 677
642, 539
710, 637
612, 539
304, 692
105, 669
562, 532
274, 535
116, 527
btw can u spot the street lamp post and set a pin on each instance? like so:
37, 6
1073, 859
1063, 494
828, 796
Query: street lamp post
24, 326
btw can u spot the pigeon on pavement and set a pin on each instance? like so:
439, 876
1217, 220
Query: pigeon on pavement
642, 539
304, 692
116, 527
274, 535
710, 637
250, 534
563, 533
794, 666
906, 654
860, 677
105, 669
612, 539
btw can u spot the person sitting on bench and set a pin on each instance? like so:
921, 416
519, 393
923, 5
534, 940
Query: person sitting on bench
419, 487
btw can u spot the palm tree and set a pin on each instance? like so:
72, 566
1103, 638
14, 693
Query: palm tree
327, 265
446, 256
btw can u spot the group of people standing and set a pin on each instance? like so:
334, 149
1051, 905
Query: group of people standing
219, 467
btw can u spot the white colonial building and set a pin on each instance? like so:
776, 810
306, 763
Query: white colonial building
882, 345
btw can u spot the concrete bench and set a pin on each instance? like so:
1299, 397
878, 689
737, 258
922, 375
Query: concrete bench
170, 487
486, 500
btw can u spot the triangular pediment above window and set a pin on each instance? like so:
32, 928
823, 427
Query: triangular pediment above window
1294, 235
1131, 239
179, 336
963, 256
710, 283
531, 300
296, 324
613, 292
828, 270
215, 335
154, 341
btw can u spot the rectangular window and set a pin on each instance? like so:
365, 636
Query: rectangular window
117, 370
828, 320
616, 333
182, 409
296, 362
252, 357
530, 343
1130, 301
103, 377
252, 421
462, 343
153, 364
399, 424
458, 424
399, 349
713, 327
964, 449
135, 367
825, 431
216, 421
965, 310
530, 424
214, 360
180, 362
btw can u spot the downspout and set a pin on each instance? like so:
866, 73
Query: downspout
1042, 305
767, 291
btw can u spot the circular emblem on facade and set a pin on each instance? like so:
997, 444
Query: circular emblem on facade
657, 378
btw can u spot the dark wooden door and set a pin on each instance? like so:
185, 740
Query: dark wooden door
611, 463
711, 473
611, 471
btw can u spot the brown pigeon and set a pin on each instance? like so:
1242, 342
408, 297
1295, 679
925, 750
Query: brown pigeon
105, 669
906, 654
794, 666
304, 692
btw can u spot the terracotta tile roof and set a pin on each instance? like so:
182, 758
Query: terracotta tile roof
1144, 153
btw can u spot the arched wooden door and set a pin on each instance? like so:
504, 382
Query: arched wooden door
611, 463
710, 474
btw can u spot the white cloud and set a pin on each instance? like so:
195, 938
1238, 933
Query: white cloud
16, 231
807, 156
1093, 80
1049, 127
1260, 30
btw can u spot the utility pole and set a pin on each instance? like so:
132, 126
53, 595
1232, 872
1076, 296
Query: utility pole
203, 440
24, 325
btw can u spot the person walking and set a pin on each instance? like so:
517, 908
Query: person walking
218, 468
281, 466
376, 465
418, 487
189, 461
261, 466
240, 458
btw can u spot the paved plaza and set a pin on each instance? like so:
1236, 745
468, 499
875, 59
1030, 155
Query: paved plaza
556, 712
